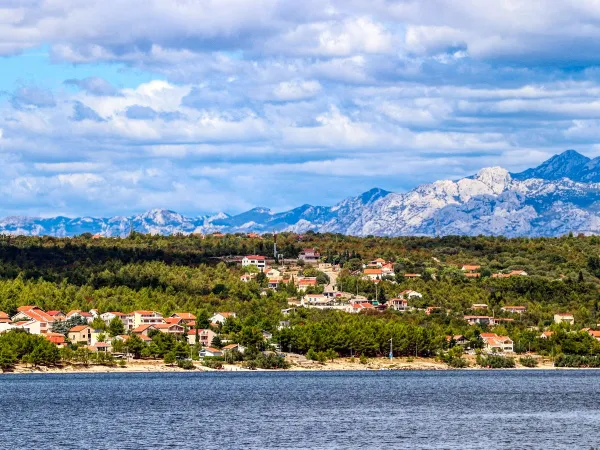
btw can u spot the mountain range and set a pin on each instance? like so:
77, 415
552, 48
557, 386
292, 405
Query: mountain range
559, 196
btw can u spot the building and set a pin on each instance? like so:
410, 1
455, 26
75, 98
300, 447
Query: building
246, 278
88, 317
564, 318
546, 334
473, 275
305, 283
210, 351
254, 260
479, 306
358, 307
205, 337
309, 255
185, 318
57, 315
221, 317
273, 284
373, 274
513, 273
81, 334
146, 318
172, 328
316, 299
42, 322
470, 268
412, 275
107, 317
379, 262
398, 304
4, 318
458, 339
272, 273
514, 309
480, 320
57, 339
494, 343
410, 294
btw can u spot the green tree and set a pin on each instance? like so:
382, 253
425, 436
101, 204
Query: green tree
116, 327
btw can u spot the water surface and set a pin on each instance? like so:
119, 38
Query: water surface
293, 410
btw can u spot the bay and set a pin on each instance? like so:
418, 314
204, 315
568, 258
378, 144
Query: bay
302, 410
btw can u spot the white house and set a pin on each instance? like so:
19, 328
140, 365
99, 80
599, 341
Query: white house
309, 255
495, 343
479, 320
398, 304
146, 318
221, 317
254, 260
564, 318
410, 294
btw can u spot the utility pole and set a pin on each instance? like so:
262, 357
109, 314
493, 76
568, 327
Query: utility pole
391, 349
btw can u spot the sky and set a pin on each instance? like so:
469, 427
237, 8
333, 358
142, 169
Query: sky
200, 106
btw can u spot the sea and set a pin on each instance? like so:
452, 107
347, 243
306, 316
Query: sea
521, 409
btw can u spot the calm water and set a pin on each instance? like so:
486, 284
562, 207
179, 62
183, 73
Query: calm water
463, 410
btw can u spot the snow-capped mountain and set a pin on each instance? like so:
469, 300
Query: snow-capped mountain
559, 196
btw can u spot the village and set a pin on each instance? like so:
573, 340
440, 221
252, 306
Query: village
94, 330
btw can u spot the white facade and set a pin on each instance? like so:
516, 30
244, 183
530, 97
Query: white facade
254, 260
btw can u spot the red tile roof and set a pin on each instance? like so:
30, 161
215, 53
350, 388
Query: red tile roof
78, 328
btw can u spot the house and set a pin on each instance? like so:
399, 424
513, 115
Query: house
564, 318
81, 334
233, 348
205, 337
283, 324
305, 283
273, 273
479, 306
220, 317
172, 328
266, 335
387, 269
470, 268
4, 318
513, 273
458, 339
27, 314
315, 299
514, 309
146, 318
410, 294
210, 351
412, 275
254, 260
379, 262
100, 347
373, 274
57, 339
144, 330
479, 320
595, 334
57, 315
186, 318
254, 236
107, 317
246, 278
358, 307
398, 304
273, 284
88, 317
431, 309
309, 255
494, 343
546, 334
473, 275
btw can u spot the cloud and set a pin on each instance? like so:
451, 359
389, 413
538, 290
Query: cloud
138, 112
82, 112
94, 86
33, 97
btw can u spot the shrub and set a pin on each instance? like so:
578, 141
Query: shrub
363, 359
212, 363
528, 361
185, 364
496, 362
458, 363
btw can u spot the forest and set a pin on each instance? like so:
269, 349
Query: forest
197, 274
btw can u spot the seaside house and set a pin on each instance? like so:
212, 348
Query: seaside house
210, 351
81, 334
57, 339
494, 343
187, 318
171, 328
34, 319
88, 317
107, 317
205, 337
458, 339
143, 330
305, 283
221, 317
57, 315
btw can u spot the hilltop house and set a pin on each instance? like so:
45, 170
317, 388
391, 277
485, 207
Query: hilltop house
309, 255
398, 304
373, 274
305, 283
564, 318
514, 309
470, 268
479, 320
221, 317
254, 260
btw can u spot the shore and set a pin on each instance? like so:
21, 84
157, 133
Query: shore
297, 363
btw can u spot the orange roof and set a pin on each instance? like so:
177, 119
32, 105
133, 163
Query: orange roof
471, 267
411, 275
594, 333
184, 315
78, 328
144, 313
308, 282
230, 346
3, 315
26, 308
372, 271
38, 315
213, 350
472, 275
173, 320
143, 328
200, 331
257, 257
